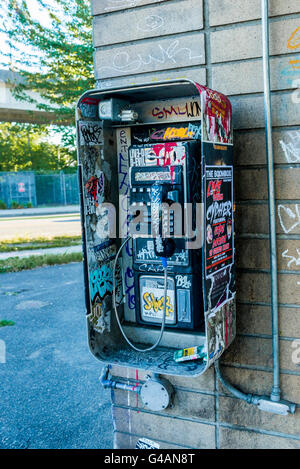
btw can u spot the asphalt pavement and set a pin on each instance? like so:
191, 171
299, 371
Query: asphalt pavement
50, 396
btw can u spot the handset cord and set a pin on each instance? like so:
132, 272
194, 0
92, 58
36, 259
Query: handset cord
164, 309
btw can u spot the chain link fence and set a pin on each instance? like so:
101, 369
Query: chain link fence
30, 189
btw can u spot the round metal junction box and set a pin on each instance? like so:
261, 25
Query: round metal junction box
156, 394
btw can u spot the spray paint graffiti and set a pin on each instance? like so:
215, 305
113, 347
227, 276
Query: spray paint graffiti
294, 44
289, 219
177, 133
123, 165
101, 288
189, 109
101, 282
293, 259
292, 71
124, 182
92, 159
150, 23
116, 4
292, 148
129, 288
294, 40
123, 63
123, 143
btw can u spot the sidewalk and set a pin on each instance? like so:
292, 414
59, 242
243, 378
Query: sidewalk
23, 212
40, 252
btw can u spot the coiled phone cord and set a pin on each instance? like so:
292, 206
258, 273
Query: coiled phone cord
164, 262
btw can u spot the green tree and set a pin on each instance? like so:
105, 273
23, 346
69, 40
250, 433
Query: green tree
57, 61
26, 147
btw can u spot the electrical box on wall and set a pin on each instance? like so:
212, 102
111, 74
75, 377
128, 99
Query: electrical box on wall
156, 181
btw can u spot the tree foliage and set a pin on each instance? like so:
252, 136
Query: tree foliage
26, 147
55, 57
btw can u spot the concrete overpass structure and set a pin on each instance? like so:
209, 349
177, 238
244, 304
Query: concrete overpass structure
13, 110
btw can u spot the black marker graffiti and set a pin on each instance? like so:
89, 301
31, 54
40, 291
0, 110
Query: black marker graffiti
91, 133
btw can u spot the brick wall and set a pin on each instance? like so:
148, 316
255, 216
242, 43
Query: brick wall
218, 43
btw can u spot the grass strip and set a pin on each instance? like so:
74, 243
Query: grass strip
27, 244
5, 323
16, 264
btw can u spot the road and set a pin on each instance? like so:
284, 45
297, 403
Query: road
50, 396
40, 252
55, 225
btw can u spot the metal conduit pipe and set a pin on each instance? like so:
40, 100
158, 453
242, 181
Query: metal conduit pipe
273, 403
276, 392
264, 403
249, 398
108, 383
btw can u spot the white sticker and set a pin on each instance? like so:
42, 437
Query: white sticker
144, 443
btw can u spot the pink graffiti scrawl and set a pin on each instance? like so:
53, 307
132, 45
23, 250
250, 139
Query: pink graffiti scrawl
170, 154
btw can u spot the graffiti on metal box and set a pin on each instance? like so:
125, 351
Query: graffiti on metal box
91, 133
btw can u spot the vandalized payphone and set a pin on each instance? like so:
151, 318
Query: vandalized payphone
156, 186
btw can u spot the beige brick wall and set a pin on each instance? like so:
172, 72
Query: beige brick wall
218, 43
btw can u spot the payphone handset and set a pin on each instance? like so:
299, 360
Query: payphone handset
163, 247
163, 251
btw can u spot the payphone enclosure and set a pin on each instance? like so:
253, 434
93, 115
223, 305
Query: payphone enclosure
177, 135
